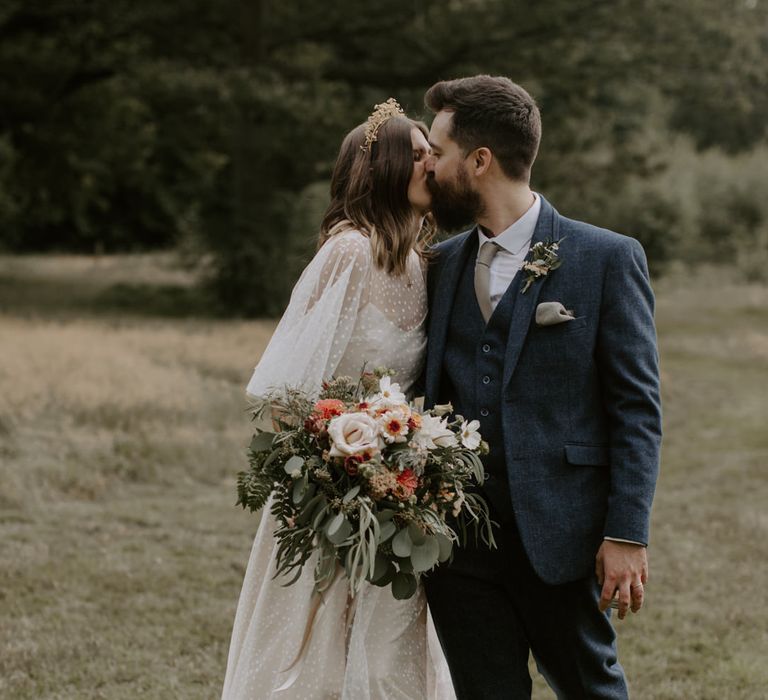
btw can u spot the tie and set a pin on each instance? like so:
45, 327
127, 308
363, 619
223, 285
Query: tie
483, 277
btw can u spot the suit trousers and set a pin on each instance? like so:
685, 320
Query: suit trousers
491, 609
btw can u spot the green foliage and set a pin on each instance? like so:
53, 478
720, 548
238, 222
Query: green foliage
254, 486
117, 125
700, 207
138, 125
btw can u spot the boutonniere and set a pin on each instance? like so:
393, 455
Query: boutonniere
543, 259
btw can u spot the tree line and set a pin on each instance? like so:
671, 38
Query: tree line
213, 126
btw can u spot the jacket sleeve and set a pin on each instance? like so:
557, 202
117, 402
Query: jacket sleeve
315, 329
628, 364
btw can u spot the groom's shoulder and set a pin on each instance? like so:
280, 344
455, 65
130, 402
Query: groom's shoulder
593, 239
452, 243
449, 246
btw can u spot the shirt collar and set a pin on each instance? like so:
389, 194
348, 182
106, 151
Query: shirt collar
514, 238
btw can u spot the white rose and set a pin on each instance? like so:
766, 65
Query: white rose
353, 433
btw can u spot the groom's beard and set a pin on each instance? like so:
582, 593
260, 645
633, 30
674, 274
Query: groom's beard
454, 204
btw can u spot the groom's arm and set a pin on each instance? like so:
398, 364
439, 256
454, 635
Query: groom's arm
627, 360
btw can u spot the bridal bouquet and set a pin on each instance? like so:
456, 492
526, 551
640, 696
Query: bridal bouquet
366, 480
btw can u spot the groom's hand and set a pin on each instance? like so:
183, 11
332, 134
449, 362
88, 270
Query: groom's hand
622, 567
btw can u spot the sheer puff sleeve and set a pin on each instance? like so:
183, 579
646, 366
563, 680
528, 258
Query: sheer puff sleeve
315, 329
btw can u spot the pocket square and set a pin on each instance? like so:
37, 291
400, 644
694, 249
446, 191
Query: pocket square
550, 313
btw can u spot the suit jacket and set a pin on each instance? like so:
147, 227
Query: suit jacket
581, 416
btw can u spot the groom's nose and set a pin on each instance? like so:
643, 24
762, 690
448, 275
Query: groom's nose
429, 164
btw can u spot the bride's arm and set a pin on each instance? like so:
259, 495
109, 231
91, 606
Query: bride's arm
315, 329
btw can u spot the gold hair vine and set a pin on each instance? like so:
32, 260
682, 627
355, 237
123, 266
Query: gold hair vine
381, 113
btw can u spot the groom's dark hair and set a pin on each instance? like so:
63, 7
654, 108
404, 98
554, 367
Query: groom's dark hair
494, 112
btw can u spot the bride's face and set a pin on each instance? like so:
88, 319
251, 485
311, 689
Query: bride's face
418, 192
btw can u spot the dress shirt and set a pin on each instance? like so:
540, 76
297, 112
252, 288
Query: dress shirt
514, 243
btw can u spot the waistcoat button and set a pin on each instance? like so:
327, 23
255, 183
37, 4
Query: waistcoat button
486, 348
483, 412
486, 379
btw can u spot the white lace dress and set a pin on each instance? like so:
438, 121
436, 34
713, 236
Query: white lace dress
343, 312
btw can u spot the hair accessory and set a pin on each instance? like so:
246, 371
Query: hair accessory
381, 113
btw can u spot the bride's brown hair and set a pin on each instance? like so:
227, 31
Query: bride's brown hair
369, 193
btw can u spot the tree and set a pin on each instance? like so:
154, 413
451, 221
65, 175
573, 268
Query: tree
142, 124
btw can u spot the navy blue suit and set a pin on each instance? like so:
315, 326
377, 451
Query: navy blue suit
572, 416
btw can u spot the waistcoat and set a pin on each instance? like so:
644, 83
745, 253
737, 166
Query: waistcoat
473, 367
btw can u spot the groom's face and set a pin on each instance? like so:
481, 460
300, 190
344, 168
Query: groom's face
455, 203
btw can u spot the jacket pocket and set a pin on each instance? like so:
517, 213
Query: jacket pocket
590, 455
563, 328
577, 324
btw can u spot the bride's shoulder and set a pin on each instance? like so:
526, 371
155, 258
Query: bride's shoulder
349, 244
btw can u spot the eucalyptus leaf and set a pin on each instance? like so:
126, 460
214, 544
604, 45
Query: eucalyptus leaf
308, 510
405, 565
351, 494
340, 534
294, 464
386, 579
318, 515
334, 524
272, 457
387, 530
424, 556
380, 567
403, 585
384, 515
299, 487
401, 544
383, 573
262, 441
417, 535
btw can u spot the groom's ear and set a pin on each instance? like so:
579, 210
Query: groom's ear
480, 160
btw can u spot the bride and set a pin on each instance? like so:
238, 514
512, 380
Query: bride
362, 299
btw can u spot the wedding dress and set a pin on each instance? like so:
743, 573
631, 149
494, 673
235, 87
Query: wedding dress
344, 312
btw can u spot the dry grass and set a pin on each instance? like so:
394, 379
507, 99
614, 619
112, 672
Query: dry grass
121, 555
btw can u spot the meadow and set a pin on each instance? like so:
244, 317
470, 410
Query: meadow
123, 423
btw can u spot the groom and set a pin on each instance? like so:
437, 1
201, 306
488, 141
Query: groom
542, 328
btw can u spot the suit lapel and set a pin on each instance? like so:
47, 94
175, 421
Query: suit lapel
525, 304
440, 311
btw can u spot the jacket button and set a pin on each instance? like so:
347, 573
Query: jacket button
486, 379
486, 348
483, 412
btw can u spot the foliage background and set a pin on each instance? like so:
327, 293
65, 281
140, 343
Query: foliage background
212, 127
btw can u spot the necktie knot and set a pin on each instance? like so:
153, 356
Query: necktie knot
487, 253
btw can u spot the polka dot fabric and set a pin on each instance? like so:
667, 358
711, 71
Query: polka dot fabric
343, 312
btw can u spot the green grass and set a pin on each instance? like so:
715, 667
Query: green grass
121, 429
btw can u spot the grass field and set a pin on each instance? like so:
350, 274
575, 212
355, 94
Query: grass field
122, 424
